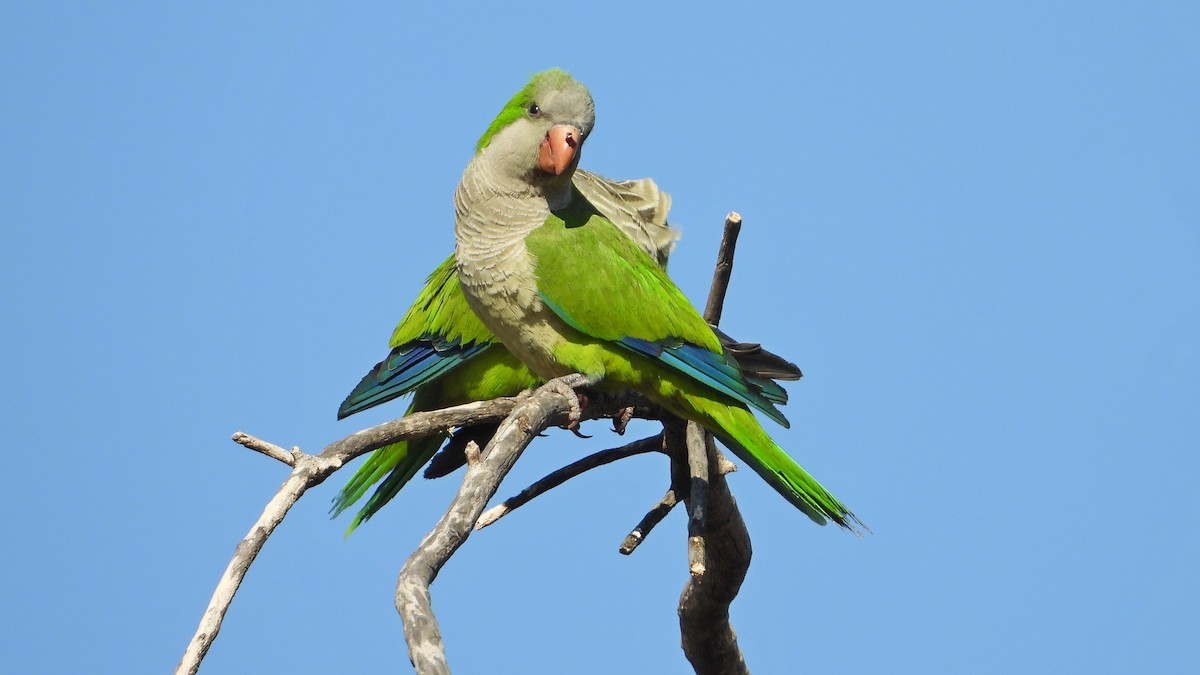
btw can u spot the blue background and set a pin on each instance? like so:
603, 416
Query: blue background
976, 229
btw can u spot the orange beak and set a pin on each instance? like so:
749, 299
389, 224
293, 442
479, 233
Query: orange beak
559, 148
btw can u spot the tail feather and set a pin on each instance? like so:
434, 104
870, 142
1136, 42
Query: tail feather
400, 461
378, 465
737, 428
394, 465
756, 361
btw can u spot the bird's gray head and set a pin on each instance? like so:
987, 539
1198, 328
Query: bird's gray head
539, 134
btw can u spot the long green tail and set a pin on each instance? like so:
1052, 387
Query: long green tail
737, 428
399, 462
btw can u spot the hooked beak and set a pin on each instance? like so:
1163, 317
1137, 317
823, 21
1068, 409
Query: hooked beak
559, 148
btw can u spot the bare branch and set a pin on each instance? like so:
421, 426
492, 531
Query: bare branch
724, 466
718, 542
652, 518
307, 468
269, 449
310, 470
472, 453
708, 638
697, 503
720, 282
547, 406
556, 478
419, 425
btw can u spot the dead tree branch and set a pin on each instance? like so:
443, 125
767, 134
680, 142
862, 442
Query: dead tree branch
425, 647
718, 541
720, 283
708, 639
308, 471
652, 518
697, 501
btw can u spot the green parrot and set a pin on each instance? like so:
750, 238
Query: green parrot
445, 356
565, 291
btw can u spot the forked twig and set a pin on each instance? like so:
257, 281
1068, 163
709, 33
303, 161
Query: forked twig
308, 471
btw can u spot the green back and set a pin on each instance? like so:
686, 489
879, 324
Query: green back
623, 293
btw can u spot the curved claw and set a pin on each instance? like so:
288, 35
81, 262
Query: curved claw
621, 420
565, 386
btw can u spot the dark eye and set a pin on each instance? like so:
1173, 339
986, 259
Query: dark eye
534, 110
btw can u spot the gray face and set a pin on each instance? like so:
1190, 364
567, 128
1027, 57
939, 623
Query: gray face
514, 151
571, 104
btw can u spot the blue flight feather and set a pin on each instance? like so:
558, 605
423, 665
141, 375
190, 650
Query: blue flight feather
709, 368
717, 371
407, 367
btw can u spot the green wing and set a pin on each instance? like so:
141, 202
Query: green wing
441, 310
438, 334
605, 287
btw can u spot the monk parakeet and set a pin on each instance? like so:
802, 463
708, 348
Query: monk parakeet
445, 356
566, 292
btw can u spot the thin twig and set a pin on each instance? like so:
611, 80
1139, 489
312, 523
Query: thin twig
652, 518
560, 476
269, 449
720, 282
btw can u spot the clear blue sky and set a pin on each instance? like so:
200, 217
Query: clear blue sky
977, 230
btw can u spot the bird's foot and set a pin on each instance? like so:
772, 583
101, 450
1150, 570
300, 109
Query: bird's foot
577, 400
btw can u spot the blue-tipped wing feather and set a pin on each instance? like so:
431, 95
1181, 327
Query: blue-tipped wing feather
406, 368
717, 371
